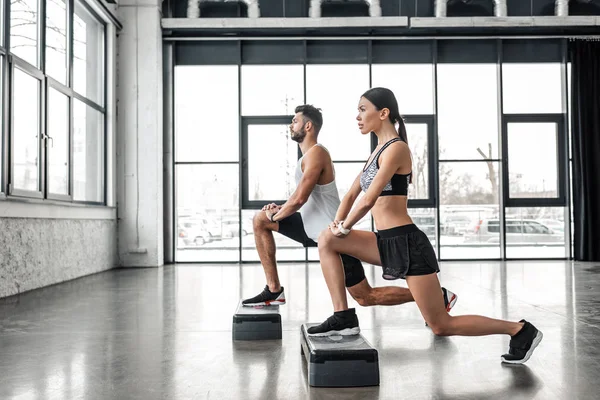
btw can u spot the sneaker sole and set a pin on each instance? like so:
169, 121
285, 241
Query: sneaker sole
343, 332
536, 342
452, 302
266, 303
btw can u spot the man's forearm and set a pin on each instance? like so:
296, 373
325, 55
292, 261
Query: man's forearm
288, 208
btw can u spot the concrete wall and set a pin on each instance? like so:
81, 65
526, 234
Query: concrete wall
41, 245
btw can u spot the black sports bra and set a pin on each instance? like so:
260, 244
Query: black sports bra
397, 186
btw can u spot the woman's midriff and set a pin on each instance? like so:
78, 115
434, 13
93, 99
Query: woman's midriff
390, 212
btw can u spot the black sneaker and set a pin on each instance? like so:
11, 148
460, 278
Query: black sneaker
266, 298
344, 323
449, 299
522, 344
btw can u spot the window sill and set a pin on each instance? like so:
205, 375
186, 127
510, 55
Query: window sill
48, 209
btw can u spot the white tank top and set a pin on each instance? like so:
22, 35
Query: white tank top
322, 204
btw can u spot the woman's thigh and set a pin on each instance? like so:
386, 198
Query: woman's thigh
359, 244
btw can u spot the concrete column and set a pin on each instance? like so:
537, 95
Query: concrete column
140, 131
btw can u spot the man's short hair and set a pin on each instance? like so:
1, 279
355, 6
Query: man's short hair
313, 114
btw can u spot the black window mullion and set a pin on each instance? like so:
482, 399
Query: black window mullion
561, 199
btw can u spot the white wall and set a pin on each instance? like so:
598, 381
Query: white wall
139, 142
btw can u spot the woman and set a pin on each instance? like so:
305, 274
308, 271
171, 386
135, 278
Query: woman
399, 246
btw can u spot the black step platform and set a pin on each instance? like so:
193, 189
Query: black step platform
339, 361
256, 323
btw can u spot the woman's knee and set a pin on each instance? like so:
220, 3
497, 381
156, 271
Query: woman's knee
441, 327
325, 239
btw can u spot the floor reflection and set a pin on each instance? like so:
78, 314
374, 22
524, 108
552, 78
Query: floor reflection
166, 334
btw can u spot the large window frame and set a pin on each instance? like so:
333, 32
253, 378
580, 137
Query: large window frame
46, 82
374, 51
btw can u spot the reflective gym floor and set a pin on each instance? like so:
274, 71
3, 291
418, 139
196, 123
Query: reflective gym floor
166, 334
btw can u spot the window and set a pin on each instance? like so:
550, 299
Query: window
26, 132
536, 232
336, 89
467, 111
88, 54
412, 85
208, 226
24, 30
469, 209
271, 174
531, 176
532, 88
56, 40
88, 153
206, 113
281, 89
57, 126
59, 146
2, 183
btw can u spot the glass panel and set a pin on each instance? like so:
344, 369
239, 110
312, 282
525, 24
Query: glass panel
271, 167
58, 151
536, 232
56, 40
88, 153
285, 249
24, 30
345, 174
532, 88
26, 131
538, 179
2, 183
425, 219
272, 89
469, 206
88, 55
411, 83
417, 141
467, 111
206, 125
207, 212
336, 89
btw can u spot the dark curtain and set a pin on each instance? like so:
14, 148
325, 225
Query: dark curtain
585, 101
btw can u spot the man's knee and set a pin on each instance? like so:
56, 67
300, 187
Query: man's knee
365, 300
364, 296
260, 221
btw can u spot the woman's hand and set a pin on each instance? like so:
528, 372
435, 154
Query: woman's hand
333, 227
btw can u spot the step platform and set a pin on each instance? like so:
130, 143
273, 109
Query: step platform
339, 361
256, 323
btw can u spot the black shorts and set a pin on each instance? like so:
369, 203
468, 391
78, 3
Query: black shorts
293, 227
405, 251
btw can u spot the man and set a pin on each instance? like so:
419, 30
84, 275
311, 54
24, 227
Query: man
308, 211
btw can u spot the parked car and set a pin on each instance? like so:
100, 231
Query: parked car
517, 231
193, 233
426, 223
455, 224
555, 225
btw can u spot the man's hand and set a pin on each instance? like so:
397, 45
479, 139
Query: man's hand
269, 212
270, 207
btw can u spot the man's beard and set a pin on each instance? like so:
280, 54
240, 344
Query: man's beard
298, 136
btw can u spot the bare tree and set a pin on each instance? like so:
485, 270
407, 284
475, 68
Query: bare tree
491, 170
